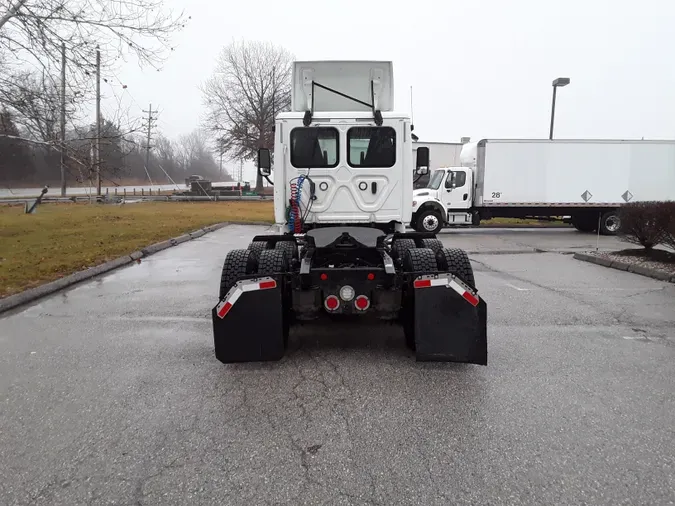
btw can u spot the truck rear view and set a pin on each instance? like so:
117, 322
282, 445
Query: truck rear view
343, 175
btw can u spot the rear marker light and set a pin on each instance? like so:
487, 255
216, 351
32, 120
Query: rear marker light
324, 276
331, 303
362, 303
266, 285
371, 276
422, 283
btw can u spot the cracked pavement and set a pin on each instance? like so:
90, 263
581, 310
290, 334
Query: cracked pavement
110, 392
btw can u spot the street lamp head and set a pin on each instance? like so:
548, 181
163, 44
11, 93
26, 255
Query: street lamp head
561, 81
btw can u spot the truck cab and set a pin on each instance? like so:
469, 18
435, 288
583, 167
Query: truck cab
448, 198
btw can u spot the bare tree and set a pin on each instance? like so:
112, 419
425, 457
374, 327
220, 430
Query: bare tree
34, 97
32, 31
251, 83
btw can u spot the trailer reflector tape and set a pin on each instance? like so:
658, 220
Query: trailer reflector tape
222, 310
247, 285
472, 299
422, 283
448, 281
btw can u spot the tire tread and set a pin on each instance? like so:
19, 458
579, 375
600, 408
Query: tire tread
234, 267
456, 261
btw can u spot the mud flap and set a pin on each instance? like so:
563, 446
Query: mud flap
249, 323
450, 320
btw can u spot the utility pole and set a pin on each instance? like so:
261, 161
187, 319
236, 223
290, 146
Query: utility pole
98, 122
63, 119
147, 145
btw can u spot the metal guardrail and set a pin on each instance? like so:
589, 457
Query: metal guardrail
135, 198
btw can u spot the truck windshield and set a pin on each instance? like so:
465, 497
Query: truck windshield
435, 180
371, 146
314, 147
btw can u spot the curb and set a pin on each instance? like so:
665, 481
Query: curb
624, 266
33, 294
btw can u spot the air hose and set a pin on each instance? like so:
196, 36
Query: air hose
295, 215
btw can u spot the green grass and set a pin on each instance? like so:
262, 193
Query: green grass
64, 238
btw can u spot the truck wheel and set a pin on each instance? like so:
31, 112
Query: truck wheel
429, 221
456, 262
610, 223
288, 248
434, 245
400, 246
272, 261
420, 260
585, 223
238, 263
257, 246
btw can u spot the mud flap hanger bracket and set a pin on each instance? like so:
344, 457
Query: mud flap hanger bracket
448, 281
239, 288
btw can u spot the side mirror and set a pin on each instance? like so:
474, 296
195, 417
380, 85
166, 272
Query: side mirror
264, 162
422, 164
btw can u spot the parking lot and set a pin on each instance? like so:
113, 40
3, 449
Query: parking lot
110, 392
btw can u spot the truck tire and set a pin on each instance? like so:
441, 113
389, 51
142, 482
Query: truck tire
585, 223
420, 260
256, 247
610, 223
429, 221
400, 246
433, 244
289, 248
456, 262
238, 263
272, 261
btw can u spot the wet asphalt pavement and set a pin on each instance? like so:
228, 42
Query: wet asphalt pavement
110, 393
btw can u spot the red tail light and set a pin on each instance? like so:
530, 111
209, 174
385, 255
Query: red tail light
324, 276
371, 276
331, 303
362, 303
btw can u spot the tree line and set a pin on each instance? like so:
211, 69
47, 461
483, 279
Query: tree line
28, 162
250, 85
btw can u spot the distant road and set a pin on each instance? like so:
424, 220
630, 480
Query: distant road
55, 191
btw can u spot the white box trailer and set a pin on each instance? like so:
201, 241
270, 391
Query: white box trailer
587, 180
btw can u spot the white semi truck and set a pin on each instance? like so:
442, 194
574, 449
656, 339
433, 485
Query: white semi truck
586, 181
343, 177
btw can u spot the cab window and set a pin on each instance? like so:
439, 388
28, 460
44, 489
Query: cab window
314, 147
371, 147
460, 179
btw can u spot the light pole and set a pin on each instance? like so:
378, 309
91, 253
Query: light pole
561, 81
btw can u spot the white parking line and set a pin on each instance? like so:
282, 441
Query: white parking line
516, 288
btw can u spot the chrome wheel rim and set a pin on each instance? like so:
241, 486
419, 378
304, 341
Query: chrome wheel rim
430, 222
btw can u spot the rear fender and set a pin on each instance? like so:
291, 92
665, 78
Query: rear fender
450, 320
250, 323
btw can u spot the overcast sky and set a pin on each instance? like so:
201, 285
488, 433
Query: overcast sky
478, 68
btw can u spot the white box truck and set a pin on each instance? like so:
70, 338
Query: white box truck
584, 180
